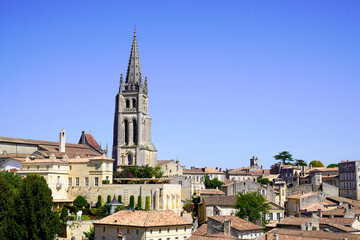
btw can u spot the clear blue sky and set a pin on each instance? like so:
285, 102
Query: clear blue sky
227, 79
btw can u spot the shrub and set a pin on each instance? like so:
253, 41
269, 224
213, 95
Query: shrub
132, 202
139, 203
120, 208
98, 204
72, 209
108, 199
105, 181
147, 203
64, 214
263, 180
80, 201
119, 199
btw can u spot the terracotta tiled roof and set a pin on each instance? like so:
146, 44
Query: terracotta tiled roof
341, 221
294, 221
91, 140
220, 200
324, 169
300, 196
343, 228
288, 234
144, 219
202, 171
163, 162
314, 207
219, 236
237, 223
202, 230
70, 160
211, 191
341, 211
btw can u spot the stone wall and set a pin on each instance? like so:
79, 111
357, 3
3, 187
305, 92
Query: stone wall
185, 183
162, 196
76, 229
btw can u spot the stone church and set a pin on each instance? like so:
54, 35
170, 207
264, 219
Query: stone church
132, 144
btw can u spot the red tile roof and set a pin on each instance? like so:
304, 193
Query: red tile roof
288, 234
220, 200
211, 191
144, 219
237, 223
91, 140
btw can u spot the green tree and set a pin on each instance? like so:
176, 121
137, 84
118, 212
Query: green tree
299, 162
108, 199
64, 214
9, 228
132, 202
333, 165
14, 181
252, 205
80, 202
212, 184
263, 180
140, 172
139, 204
147, 203
34, 205
99, 202
90, 235
119, 199
285, 157
316, 163
158, 173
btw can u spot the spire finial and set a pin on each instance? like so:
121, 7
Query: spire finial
135, 30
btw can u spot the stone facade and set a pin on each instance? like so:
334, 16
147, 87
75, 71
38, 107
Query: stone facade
349, 179
186, 186
250, 186
170, 168
132, 145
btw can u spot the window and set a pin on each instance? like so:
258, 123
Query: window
185, 229
107, 177
96, 181
168, 229
176, 229
59, 166
177, 168
58, 180
77, 181
47, 167
150, 231
159, 230
127, 103
107, 166
96, 166
134, 103
70, 181
37, 167
137, 231
103, 229
128, 231
86, 181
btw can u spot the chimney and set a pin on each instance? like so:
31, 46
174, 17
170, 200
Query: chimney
276, 236
246, 218
62, 140
227, 226
320, 212
258, 222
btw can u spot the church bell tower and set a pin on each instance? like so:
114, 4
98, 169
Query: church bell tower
132, 144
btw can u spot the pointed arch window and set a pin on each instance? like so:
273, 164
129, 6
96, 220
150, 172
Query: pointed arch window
134, 132
126, 126
127, 103
130, 159
134, 103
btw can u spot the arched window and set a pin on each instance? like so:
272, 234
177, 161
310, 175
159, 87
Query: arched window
134, 103
130, 159
134, 132
127, 103
126, 126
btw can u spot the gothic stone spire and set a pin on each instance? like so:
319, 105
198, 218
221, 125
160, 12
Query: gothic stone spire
133, 76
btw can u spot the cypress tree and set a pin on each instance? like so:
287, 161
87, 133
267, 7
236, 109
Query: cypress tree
108, 199
119, 199
139, 204
147, 203
98, 204
132, 202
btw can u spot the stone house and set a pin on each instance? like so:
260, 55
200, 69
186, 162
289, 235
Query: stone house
233, 226
170, 168
197, 176
250, 186
216, 206
297, 203
63, 175
276, 213
142, 225
349, 179
299, 223
186, 186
